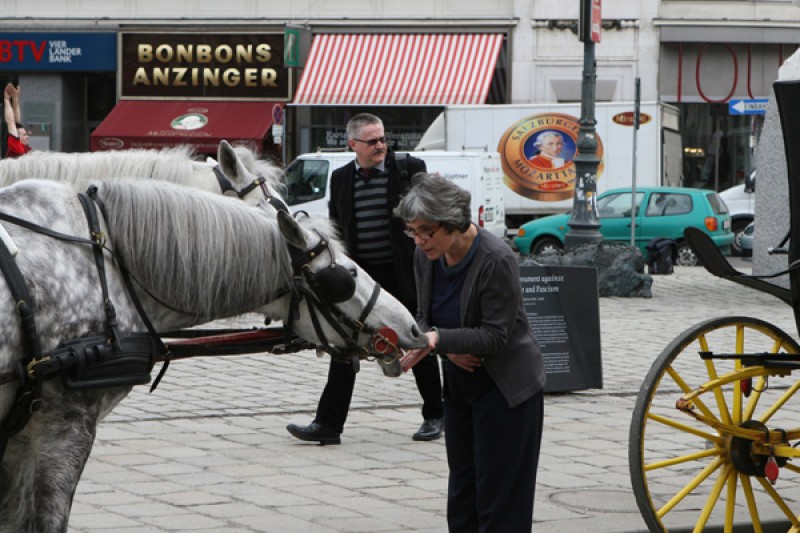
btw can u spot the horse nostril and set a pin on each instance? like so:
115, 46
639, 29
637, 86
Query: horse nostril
415, 331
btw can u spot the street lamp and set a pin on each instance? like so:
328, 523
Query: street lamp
583, 222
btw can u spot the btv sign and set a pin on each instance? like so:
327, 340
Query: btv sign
25, 52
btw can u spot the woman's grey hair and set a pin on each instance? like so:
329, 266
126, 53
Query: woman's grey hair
436, 199
359, 121
540, 139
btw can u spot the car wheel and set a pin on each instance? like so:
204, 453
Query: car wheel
686, 256
738, 228
546, 244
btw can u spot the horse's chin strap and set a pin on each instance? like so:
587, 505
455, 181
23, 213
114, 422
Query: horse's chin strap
336, 318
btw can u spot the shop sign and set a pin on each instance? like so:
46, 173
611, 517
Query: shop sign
58, 52
204, 66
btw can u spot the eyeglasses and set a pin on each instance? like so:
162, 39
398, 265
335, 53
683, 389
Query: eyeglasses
423, 235
372, 142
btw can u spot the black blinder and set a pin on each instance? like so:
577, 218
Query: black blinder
336, 283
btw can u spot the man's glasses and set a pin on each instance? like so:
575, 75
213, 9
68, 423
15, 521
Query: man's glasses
372, 142
423, 235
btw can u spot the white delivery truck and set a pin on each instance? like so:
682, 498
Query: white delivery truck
308, 181
534, 186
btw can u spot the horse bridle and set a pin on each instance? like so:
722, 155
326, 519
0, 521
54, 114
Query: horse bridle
322, 292
227, 189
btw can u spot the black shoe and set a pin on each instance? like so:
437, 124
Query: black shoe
431, 429
314, 432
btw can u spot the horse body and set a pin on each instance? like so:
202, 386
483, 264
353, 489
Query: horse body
193, 257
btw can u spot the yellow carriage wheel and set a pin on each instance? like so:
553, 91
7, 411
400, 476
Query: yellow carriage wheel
698, 473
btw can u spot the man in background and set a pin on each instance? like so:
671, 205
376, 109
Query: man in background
363, 194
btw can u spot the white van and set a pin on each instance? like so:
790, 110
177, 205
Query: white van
308, 178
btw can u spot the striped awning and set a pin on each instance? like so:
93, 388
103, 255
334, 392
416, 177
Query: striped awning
399, 69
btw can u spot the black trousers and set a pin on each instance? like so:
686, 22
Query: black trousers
335, 400
492, 453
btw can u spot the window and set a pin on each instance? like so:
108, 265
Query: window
617, 205
306, 181
667, 203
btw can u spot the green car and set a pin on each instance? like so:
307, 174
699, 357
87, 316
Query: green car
667, 212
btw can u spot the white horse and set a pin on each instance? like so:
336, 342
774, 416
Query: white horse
193, 256
239, 166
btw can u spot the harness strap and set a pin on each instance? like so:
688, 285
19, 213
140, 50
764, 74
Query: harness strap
28, 390
98, 240
92, 193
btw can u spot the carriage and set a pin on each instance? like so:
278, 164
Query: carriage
713, 442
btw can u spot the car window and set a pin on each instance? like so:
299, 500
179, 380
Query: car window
717, 205
306, 180
668, 203
617, 205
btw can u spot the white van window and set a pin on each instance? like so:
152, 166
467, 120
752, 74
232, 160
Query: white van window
306, 180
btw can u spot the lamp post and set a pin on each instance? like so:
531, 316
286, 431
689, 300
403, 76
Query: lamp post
583, 222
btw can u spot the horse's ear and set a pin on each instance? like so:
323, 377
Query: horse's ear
291, 230
228, 160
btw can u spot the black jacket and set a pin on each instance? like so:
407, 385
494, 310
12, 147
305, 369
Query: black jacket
340, 211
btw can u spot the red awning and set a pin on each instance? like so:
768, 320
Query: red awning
153, 124
417, 69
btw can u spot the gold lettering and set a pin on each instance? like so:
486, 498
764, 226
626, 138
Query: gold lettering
203, 53
264, 53
184, 53
223, 53
180, 74
244, 53
251, 77
231, 77
160, 76
211, 77
140, 77
145, 53
164, 53
268, 77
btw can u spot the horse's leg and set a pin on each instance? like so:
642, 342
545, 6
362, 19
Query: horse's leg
43, 464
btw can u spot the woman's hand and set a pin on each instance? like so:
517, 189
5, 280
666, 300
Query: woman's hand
465, 361
412, 357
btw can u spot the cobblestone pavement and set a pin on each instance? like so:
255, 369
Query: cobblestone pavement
208, 451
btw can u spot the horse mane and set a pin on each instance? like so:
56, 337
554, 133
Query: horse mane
201, 252
169, 164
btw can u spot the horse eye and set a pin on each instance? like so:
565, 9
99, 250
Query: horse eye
354, 272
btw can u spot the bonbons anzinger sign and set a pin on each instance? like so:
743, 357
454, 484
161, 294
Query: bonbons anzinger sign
207, 66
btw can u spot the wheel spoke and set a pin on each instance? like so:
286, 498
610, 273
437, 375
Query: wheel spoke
779, 501
676, 377
683, 459
747, 488
730, 503
785, 397
712, 499
686, 490
685, 428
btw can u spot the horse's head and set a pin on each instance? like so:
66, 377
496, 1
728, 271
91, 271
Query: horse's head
251, 179
336, 302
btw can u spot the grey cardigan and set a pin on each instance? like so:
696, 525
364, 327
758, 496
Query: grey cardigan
493, 319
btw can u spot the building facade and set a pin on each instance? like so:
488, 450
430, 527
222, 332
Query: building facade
703, 56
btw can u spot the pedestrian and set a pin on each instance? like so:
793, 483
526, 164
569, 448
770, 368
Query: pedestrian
470, 305
363, 194
17, 134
